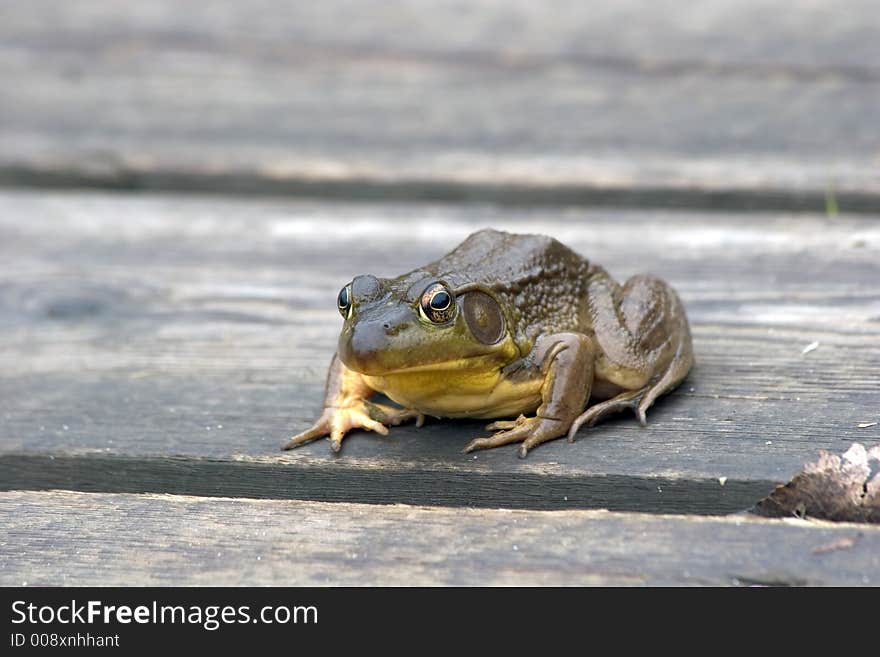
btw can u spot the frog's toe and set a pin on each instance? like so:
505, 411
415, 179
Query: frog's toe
543, 431
363, 422
303, 438
623, 401
503, 425
405, 416
393, 416
317, 430
501, 438
352, 419
336, 440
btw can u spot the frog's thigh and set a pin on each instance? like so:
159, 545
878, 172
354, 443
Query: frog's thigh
633, 329
644, 345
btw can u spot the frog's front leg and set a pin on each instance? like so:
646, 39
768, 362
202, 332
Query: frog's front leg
347, 407
565, 363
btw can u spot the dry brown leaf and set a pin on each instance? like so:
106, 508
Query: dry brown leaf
845, 488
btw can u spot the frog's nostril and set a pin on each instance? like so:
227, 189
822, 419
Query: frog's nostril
393, 328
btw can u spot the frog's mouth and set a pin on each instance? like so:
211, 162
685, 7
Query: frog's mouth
369, 367
482, 363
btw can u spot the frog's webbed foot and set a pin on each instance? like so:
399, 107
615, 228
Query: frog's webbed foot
625, 400
529, 431
339, 420
346, 408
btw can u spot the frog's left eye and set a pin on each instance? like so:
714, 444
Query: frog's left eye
343, 301
437, 304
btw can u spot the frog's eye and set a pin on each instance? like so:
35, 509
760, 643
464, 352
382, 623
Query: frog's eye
343, 301
437, 304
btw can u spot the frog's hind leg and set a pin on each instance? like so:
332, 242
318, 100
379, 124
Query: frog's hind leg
645, 343
639, 401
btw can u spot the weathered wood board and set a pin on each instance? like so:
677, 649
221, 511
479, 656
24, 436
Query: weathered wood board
737, 103
171, 344
82, 539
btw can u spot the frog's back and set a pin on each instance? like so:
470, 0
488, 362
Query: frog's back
540, 281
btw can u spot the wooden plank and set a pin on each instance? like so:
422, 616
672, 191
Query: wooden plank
81, 539
746, 103
170, 344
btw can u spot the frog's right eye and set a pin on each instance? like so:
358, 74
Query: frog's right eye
437, 304
343, 301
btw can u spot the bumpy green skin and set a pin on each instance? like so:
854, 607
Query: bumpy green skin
570, 333
540, 283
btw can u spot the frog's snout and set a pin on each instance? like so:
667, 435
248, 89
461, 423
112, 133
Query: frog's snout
370, 345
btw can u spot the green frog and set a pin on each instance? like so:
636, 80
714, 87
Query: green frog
519, 329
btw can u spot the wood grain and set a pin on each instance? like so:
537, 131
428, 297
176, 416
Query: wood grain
732, 103
81, 539
153, 343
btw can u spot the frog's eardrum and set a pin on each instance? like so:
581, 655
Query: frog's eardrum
483, 316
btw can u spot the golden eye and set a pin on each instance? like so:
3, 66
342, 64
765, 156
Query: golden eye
343, 301
437, 304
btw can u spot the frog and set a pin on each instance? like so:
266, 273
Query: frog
518, 329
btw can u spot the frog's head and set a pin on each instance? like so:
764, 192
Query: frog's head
421, 323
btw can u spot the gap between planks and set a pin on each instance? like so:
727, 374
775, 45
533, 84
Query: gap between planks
388, 483
120, 178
